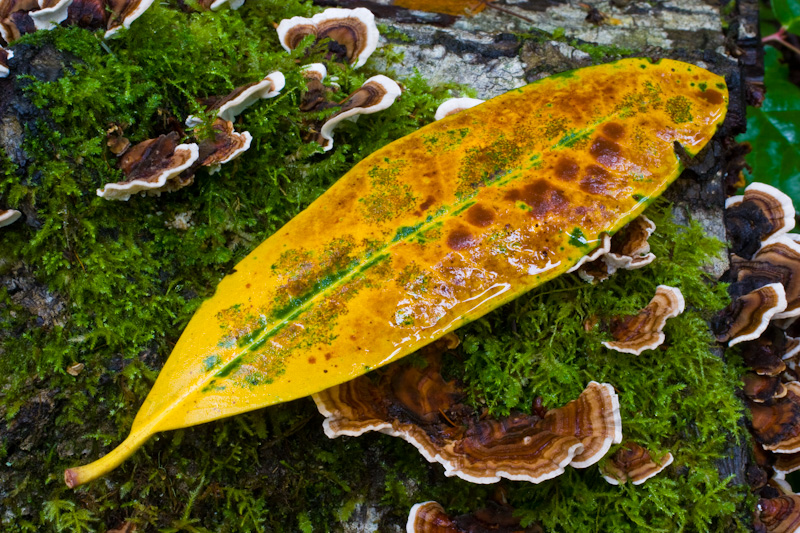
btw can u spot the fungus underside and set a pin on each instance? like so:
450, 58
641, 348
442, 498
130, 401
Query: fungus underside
129, 282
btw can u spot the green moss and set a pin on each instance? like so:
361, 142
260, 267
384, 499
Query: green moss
130, 282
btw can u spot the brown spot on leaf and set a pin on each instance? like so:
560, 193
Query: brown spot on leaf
312, 360
596, 180
567, 169
613, 130
328, 356
711, 96
247, 286
606, 152
479, 215
460, 239
427, 203
542, 198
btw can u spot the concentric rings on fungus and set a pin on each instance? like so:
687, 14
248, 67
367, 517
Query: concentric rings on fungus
748, 316
763, 388
225, 146
418, 406
8, 216
5, 55
776, 425
123, 13
633, 463
761, 213
629, 249
151, 167
228, 107
781, 514
353, 33
376, 94
15, 19
50, 14
637, 333
430, 517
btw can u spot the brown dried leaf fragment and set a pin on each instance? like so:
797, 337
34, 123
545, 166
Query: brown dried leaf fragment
634, 334
633, 463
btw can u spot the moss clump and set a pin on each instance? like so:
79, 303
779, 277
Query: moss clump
130, 281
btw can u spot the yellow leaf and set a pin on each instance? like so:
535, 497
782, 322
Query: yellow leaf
429, 233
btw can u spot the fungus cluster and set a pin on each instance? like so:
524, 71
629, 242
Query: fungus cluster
633, 463
643, 331
430, 517
628, 249
764, 279
419, 406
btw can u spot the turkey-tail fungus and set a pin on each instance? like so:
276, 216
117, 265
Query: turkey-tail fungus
633, 463
761, 213
430, 517
779, 515
637, 333
748, 316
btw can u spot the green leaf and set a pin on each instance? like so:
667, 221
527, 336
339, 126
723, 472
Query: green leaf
774, 131
788, 12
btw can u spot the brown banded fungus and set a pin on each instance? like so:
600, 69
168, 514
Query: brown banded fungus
748, 316
636, 333
215, 5
629, 250
604, 248
50, 14
633, 463
376, 94
761, 213
230, 106
776, 424
152, 166
763, 388
225, 146
123, 13
786, 463
779, 515
315, 96
5, 55
15, 19
430, 517
777, 261
353, 33
768, 354
8, 216
454, 105
419, 406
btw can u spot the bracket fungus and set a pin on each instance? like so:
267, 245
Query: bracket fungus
123, 13
596, 254
376, 94
353, 33
418, 406
430, 517
152, 166
776, 425
761, 213
225, 146
230, 106
5, 55
454, 105
629, 249
15, 19
760, 388
314, 97
633, 463
50, 14
748, 316
779, 515
637, 333
215, 5
8, 216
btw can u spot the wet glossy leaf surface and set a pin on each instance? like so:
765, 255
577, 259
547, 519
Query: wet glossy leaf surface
429, 233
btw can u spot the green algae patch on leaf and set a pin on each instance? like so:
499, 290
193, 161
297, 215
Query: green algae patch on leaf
279, 329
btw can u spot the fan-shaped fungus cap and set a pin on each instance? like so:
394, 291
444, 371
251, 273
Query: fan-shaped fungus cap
89, 14
786, 463
50, 14
5, 55
633, 463
418, 406
123, 13
230, 106
150, 165
226, 145
452, 106
353, 30
765, 354
763, 388
748, 316
214, 5
8, 216
634, 334
430, 517
376, 94
12, 13
630, 248
761, 213
604, 248
313, 99
781, 514
776, 426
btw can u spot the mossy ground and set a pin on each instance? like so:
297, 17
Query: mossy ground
131, 282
